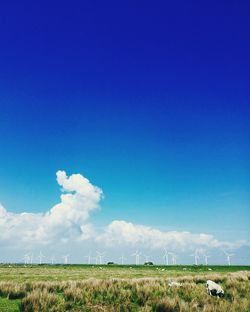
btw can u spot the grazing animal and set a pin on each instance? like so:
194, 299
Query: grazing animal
214, 289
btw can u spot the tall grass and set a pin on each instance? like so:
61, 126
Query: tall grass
125, 295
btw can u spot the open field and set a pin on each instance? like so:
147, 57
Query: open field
121, 288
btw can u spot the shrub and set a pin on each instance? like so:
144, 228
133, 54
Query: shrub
166, 305
40, 301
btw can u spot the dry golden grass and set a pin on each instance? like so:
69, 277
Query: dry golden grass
125, 295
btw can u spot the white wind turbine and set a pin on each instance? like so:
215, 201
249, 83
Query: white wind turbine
40, 257
66, 259
31, 258
228, 257
96, 259
122, 258
166, 256
205, 258
147, 258
100, 256
196, 257
173, 257
52, 259
26, 258
137, 257
88, 258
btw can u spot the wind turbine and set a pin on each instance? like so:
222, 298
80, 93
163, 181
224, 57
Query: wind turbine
66, 258
137, 257
26, 258
228, 257
173, 257
196, 257
166, 256
88, 257
122, 258
100, 255
206, 257
146, 258
31, 258
40, 257
52, 259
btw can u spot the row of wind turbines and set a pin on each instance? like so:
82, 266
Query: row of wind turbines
197, 257
29, 258
168, 257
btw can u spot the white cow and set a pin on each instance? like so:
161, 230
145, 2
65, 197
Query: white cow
214, 289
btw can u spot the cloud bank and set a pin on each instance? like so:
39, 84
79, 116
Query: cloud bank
126, 233
68, 221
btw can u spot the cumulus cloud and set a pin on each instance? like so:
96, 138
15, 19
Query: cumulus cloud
126, 233
80, 199
68, 221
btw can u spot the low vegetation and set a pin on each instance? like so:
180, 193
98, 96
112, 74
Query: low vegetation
128, 294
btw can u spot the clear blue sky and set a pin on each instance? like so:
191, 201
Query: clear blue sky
150, 101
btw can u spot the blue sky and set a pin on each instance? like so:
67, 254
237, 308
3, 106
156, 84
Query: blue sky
150, 103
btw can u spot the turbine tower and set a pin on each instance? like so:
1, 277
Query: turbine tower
205, 258
137, 257
52, 259
122, 258
100, 256
26, 258
196, 257
166, 256
228, 257
40, 257
31, 258
66, 258
88, 257
173, 257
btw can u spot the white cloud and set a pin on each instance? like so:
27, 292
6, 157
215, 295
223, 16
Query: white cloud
64, 221
68, 222
129, 234
76, 205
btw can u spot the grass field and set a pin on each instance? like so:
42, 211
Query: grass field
121, 288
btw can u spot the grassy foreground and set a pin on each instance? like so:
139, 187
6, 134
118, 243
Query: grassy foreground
121, 288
